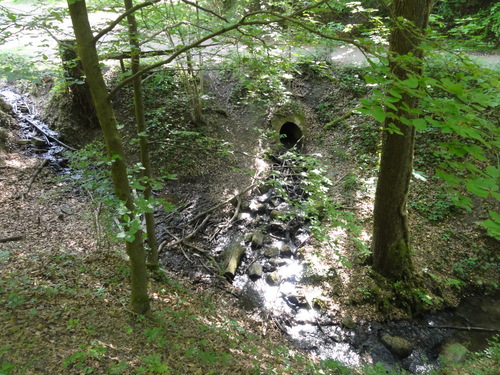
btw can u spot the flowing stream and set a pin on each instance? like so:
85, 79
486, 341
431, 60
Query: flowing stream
271, 279
35, 136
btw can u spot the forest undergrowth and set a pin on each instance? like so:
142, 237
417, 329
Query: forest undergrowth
64, 284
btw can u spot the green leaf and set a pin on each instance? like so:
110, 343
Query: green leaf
411, 82
492, 226
394, 91
481, 186
393, 129
370, 79
493, 171
379, 114
419, 123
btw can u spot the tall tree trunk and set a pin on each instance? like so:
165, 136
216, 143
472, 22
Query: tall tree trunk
80, 92
391, 242
140, 119
105, 113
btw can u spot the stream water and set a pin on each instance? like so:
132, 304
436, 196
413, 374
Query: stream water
271, 279
35, 136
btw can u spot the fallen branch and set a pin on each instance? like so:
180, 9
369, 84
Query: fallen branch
232, 259
183, 239
338, 119
221, 204
9, 239
49, 136
467, 328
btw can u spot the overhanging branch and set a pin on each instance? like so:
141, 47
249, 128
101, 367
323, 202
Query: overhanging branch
121, 17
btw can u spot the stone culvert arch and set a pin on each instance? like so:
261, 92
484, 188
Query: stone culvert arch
291, 129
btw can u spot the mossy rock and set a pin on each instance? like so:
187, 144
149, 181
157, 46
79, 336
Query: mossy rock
397, 345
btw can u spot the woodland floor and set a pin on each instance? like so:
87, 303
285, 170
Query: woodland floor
64, 283
64, 293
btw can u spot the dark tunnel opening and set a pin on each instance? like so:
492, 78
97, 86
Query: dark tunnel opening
291, 135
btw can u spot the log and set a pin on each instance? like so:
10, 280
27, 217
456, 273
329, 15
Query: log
467, 328
231, 259
9, 239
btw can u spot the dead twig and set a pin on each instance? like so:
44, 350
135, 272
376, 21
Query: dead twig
183, 239
222, 203
9, 239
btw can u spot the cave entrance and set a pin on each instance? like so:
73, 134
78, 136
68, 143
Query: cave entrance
291, 135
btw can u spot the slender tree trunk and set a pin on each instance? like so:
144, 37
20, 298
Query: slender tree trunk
140, 119
105, 113
391, 242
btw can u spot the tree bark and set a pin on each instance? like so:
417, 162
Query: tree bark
391, 243
140, 118
73, 71
88, 54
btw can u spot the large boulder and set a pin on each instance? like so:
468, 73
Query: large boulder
397, 345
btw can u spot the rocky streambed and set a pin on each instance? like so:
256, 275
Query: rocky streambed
267, 233
271, 276
35, 138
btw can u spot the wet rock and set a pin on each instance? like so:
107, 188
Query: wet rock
453, 353
243, 216
250, 297
273, 278
397, 345
276, 262
66, 209
255, 271
23, 141
296, 300
255, 206
275, 202
272, 252
244, 205
38, 142
278, 226
286, 251
263, 189
348, 322
257, 239
5, 107
265, 197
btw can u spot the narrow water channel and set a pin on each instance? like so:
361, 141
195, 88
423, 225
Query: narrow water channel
35, 137
272, 281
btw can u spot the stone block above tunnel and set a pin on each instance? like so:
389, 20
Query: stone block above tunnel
291, 130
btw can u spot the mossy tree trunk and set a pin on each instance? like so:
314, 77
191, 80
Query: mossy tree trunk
77, 85
140, 118
105, 113
391, 240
